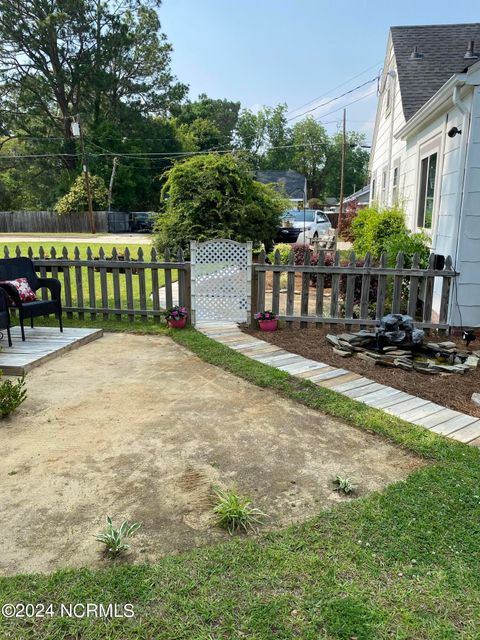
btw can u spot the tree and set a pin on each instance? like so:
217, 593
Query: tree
76, 199
211, 196
108, 62
356, 164
266, 137
211, 122
311, 147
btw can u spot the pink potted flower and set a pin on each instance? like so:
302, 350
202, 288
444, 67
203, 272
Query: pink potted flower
267, 320
177, 317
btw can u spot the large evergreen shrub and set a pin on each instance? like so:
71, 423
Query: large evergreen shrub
214, 196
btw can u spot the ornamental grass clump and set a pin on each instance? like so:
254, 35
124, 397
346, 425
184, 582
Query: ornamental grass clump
235, 512
114, 538
344, 485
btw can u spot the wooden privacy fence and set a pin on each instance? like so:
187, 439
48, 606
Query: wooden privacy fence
355, 293
116, 286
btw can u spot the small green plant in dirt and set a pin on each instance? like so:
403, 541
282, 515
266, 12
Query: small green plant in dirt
344, 484
12, 394
235, 512
113, 538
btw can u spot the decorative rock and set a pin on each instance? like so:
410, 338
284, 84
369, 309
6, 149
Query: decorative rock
333, 340
446, 346
345, 345
476, 398
365, 356
402, 364
342, 353
472, 362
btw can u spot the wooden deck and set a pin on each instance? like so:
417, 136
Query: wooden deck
41, 345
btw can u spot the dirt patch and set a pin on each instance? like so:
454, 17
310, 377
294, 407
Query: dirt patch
137, 427
451, 390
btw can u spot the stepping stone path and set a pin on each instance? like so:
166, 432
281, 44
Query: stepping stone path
452, 424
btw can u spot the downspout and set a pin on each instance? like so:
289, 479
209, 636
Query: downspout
465, 111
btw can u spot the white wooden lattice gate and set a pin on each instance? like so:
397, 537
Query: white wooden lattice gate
221, 280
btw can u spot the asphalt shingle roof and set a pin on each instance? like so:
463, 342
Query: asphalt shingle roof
443, 48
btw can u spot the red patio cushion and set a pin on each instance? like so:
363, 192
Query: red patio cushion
26, 293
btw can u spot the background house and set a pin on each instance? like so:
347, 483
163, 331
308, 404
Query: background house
292, 183
361, 197
426, 147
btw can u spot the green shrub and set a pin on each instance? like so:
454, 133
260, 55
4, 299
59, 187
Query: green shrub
76, 199
409, 243
214, 196
284, 250
373, 227
12, 394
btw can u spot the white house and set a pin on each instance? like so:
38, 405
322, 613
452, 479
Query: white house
426, 147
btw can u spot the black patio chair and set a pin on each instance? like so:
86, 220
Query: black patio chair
5, 315
13, 268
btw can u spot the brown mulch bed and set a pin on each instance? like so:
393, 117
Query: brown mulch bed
450, 390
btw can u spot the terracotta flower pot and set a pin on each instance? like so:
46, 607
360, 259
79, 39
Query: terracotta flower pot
268, 325
177, 324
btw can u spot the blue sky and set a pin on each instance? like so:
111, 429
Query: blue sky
263, 52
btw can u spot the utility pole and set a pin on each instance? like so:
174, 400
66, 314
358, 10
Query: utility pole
78, 132
112, 178
342, 172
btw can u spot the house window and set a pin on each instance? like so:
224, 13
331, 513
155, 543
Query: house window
395, 182
373, 190
388, 100
428, 174
384, 187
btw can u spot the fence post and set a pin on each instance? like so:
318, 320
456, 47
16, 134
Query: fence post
67, 285
261, 283
155, 286
276, 285
413, 289
291, 288
319, 287
428, 302
365, 291
253, 295
445, 296
305, 285
350, 290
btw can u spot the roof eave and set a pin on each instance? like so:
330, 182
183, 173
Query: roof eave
431, 108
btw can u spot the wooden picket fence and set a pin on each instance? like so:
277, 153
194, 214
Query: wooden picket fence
115, 286
398, 290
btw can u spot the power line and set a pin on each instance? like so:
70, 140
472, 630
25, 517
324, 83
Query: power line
364, 84
342, 84
367, 95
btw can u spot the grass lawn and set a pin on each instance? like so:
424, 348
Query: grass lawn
403, 564
95, 247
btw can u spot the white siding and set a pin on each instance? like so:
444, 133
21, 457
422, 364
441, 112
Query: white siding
468, 261
450, 227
